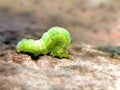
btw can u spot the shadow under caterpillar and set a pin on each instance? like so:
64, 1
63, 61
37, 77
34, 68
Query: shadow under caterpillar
55, 42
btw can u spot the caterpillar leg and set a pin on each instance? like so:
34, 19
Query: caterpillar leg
59, 52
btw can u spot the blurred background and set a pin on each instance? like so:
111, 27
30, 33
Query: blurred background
94, 22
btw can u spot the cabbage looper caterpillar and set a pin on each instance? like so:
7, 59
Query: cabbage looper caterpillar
55, 41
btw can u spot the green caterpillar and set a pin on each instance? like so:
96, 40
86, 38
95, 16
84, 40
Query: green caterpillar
55, 42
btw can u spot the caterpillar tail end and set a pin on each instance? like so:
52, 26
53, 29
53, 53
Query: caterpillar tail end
18, 47
22, 45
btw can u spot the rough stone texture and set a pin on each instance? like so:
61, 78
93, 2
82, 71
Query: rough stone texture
94, 54
87, 69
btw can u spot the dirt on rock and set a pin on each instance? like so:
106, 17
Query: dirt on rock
94, 53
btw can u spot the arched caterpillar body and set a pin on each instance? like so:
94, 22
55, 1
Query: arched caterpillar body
55, 41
